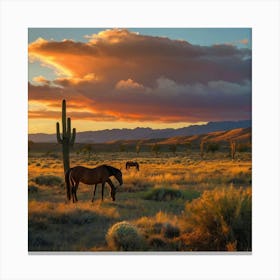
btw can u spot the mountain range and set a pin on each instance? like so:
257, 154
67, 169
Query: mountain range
112, 135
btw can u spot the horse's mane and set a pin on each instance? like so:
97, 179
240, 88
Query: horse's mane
111, 169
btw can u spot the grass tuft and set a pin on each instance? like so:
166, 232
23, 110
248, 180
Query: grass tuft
48, 180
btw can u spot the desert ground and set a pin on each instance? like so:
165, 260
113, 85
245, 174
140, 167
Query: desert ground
175, 202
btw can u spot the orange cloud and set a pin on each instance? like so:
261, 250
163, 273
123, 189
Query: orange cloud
40, 80
113, 36
171, 80
244, 41
128, 84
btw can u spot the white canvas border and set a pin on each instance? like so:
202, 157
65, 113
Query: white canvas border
17, 16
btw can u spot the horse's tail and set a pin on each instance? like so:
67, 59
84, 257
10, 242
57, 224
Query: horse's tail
67, 182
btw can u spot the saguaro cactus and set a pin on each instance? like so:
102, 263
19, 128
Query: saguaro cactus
66, 138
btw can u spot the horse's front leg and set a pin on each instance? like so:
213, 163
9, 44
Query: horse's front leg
102, 191
94, 190
113, 189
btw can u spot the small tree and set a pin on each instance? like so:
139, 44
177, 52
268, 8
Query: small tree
138, 148
122, 148
173, 148
188, 146
244, 147
30, 144
156, 148
232, 148
212, 147
88, 149
202, 142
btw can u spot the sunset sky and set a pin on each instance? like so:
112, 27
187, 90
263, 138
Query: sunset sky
135, 77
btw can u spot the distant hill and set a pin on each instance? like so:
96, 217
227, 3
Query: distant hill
238, 134
113, 135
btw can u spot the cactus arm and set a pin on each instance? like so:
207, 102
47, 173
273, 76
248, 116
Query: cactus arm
72, 140
59, 140
64, 118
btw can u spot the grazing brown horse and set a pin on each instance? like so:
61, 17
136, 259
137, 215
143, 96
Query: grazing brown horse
91, 176
132, 163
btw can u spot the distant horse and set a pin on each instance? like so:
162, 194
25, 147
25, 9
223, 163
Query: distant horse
132, 163
91, 176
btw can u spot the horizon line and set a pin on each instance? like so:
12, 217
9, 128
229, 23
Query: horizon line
138, 127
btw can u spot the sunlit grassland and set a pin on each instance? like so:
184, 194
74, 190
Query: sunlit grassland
153, 199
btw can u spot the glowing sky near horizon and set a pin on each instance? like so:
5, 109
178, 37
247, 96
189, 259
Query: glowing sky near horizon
127, 78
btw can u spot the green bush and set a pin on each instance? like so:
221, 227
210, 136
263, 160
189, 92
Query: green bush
124, 236
212, 147
157, 227
220, 220
167, 194
244, 147
158, 243
170, 231
163, 194
48, 180
32, 189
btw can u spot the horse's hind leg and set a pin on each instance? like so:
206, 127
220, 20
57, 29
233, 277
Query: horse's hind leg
74, 192
93, 195
76, 187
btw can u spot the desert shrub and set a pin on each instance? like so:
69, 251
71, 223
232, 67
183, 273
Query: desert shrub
157, 227
38, 242
51, 154
212, 147
167, 194
244, 147
32, 189
220, 220
160, 243
170, 231
173, 148
157, 242
48, 180
242, 178
163, 194
124, 236
135, 186
155, 148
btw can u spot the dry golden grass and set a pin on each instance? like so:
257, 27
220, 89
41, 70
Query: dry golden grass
49, 208
55, 225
